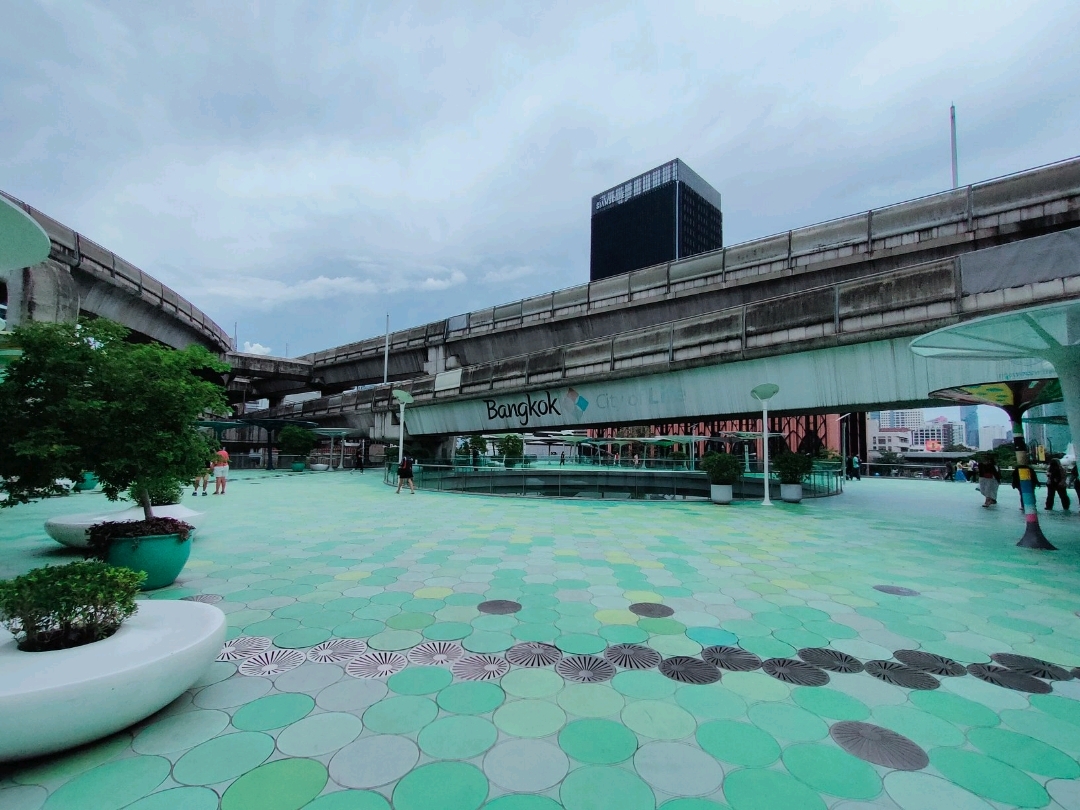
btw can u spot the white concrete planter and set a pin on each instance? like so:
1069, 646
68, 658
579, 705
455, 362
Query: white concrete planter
74, 530
320, 467
791, 493
50, 701
720, 493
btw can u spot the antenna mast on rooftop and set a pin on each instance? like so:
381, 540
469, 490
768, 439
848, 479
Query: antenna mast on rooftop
952, 126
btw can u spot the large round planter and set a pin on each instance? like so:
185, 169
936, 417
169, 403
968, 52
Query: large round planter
791, 493
73, 530
720, 493
320, 467
160, 556
50, 701
298, 466
88, 482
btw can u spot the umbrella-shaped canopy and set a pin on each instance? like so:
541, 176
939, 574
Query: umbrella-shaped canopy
1021, 395
23, 243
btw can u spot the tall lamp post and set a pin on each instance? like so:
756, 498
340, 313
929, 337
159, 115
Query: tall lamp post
404, 398
763, 393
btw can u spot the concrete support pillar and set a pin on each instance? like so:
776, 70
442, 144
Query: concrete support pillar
45, 292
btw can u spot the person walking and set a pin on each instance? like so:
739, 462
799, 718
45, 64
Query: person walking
204, 476
562, 459
405, 473
989, 481
221, 471
856, 468
1055, 484
358, 459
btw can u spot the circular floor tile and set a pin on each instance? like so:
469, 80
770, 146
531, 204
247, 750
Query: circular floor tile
110, 786
590, 700
526, 765
733, 659
233, 692
830, 703
349, 800
532, 683
457, 737
955, 709
585, 669
1024, 753
651, 610
419, 680
446, 785
309, 678
350, 695
436, 653
394, 640
580, 644
223, 758
647, 684
787, 722
598, 742
711, 636
481, 667
400, 715
447, 631
738, 743
287, 784
831, 660
183, 798
376, 664
373, 761
922, 727
530, 718
180, 732
678, 769
471, 698
301, 638
794, 671
711, 702
623, 634
273, 711
1009, 679
921, 791
658, 720
272, 662
829, 770
754, 686
686, 669
488, 641
989, 778
598, 787
523, 801
319, 734
878, 745
754, 789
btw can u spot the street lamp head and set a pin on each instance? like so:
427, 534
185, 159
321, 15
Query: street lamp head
404, 397
765, 391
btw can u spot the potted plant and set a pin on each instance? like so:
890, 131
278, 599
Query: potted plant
294, 440
792, 469
82, 659
511, 448
723, 471
678, 460
81, 397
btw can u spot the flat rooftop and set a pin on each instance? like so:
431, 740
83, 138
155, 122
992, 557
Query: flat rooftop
428, 581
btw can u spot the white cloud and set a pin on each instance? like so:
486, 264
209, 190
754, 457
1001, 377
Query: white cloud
256, 348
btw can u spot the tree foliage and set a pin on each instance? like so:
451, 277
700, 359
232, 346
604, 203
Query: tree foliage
83, 398
722, 468
296, 441
511, 446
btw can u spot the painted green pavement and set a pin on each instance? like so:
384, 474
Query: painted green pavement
392, 683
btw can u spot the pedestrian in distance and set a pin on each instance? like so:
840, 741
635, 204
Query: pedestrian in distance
204, 477
221, 471
1055, 484
358, 460
989, 481
405, 473
856, 468
562, 459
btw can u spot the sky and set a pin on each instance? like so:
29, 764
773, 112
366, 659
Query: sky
302, 169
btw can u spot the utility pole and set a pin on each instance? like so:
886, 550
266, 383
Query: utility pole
386, 350
952, 127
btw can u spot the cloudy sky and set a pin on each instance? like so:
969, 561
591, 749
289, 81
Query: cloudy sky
302, 169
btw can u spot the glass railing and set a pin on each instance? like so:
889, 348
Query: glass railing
541, 478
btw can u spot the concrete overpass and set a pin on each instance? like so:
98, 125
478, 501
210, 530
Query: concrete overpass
843, 297
81, 277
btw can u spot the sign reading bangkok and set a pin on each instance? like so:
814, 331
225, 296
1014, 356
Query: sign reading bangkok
528, 407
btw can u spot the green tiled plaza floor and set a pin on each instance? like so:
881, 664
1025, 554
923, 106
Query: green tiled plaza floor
374, 680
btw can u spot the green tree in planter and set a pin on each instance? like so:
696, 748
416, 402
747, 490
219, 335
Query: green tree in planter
722, 468
511, 448
82, 398
294, 440
792, 468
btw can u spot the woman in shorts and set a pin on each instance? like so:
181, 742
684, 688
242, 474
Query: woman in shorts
221, 471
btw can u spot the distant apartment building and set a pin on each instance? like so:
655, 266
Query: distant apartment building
990, 436
938, 434
910, 419
889, 439
969, 415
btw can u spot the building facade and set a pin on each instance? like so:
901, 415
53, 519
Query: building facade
665, 214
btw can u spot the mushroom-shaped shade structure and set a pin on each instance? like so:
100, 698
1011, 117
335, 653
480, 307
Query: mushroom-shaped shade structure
23, 243
1049, 333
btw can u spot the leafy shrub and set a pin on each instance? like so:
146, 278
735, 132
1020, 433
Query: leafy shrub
511, 448
296, 441
162, 492
62, 606
792, 468
103, 534
722, 468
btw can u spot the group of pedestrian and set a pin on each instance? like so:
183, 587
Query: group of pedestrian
1058, 480
217, 467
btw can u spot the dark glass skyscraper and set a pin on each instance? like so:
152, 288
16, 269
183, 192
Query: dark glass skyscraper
665, 214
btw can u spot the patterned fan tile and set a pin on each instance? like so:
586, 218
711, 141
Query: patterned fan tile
929, 662
436, 653
533, 654
207, 598
792, 670
1010, 679
896, 590
832, 660
337, 650
499, 607
380, 664
243, 647
686, 669
651, 610
272, 662
632, 656
735, 659
879, 746
901, 675
481, 668
585, 669
1035, 667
